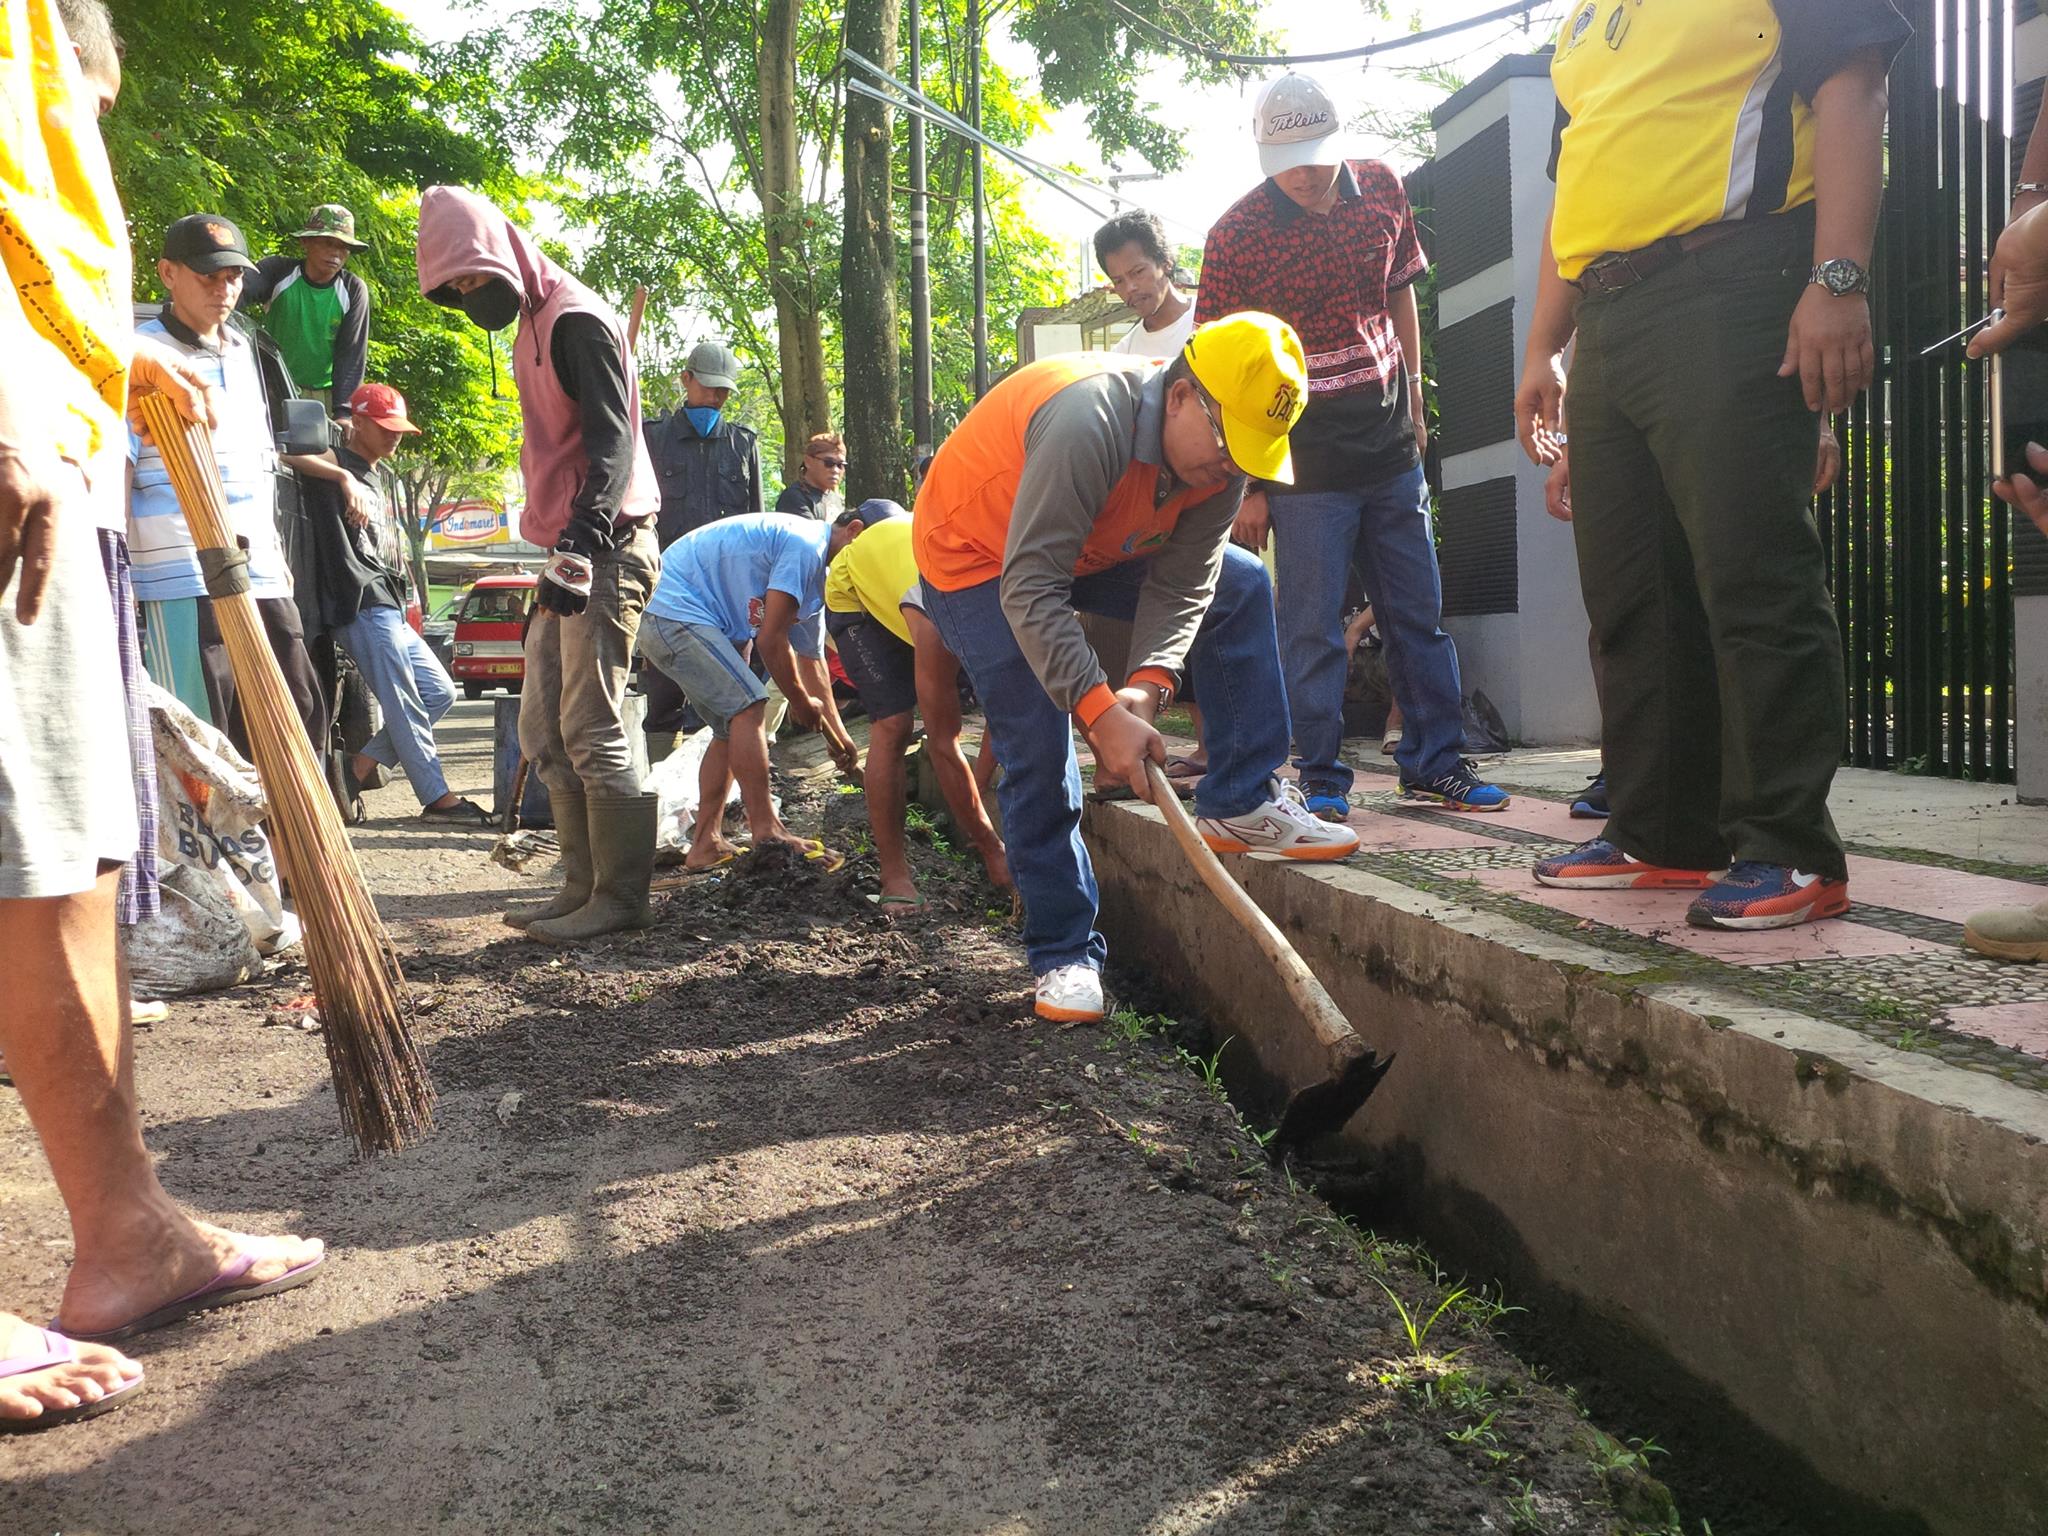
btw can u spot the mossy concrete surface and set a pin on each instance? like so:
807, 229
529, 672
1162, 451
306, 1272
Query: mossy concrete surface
1845, 1242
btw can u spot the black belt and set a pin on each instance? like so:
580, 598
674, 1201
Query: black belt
1624, 269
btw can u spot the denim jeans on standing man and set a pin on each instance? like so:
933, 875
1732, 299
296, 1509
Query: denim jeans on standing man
412, 691
1385, 530
1235, 664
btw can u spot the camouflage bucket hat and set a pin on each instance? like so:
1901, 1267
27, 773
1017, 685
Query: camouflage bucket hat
331, 221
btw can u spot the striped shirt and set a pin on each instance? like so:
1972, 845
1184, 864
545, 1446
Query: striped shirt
160, 547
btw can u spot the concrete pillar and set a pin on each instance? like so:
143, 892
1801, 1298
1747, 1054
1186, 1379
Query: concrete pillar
1511, 581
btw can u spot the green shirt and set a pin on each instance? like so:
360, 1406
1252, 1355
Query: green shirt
304, 320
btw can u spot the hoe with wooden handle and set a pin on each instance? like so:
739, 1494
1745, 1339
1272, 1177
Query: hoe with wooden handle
1354, 1068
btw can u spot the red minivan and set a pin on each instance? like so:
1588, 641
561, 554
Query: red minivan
490, 635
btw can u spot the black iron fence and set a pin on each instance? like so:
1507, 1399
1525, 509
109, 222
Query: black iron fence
1921, 557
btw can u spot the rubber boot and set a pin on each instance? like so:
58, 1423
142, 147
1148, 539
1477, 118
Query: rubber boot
622, 853
572, 832
661, 745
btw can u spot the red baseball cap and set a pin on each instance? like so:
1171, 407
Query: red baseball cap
382, 404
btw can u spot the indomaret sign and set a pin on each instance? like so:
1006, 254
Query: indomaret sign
467, 524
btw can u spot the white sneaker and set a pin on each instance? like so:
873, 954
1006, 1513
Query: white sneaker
1390, 741
1070, 994
1282, 824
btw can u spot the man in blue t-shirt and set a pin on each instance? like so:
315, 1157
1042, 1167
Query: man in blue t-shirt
755, 579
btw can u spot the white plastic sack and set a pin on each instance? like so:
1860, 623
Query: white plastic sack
674, 781
210, 806
196, 943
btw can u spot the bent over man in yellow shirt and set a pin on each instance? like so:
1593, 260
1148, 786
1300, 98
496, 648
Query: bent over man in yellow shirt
874, 612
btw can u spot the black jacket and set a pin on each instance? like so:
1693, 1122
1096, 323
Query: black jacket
348, 570
702, 478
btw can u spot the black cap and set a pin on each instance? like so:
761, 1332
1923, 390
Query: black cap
206, 242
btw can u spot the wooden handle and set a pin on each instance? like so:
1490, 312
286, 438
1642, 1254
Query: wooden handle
633, 318
1316, 1005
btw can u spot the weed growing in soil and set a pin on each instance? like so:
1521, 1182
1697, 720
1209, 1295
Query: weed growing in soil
1420, 1359
1207, 1067
1128, 1027
1914, 1040
1612, 1455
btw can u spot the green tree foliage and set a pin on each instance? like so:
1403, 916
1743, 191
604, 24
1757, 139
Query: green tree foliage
648, 115
1092, 55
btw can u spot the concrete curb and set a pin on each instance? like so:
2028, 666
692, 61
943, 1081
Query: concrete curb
1844, 1243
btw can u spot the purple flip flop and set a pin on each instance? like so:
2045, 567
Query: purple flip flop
58, 1350
223, 1290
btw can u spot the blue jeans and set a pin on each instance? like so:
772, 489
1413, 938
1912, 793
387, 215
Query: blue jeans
411, 689
1235, 664
1385, 530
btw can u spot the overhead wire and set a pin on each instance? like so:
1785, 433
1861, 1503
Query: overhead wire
1217, 55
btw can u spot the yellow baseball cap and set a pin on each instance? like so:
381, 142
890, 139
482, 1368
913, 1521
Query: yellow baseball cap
1253, 367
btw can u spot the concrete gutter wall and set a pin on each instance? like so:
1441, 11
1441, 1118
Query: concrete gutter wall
1845, 1243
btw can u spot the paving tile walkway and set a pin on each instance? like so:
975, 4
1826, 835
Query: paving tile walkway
1893, 968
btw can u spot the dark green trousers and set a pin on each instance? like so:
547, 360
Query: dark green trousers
1722, 698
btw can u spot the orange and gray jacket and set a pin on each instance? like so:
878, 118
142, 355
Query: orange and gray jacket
1060, 471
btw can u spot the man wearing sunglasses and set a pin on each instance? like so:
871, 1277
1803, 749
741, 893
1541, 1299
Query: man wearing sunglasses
1106, 484
824, 466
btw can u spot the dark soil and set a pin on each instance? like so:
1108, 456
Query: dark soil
777, 1218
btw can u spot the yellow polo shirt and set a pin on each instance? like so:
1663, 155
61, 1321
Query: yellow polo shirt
63, 241
1676, 114
872, 574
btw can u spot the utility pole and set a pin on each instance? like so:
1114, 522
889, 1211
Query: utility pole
920, 270
980, 216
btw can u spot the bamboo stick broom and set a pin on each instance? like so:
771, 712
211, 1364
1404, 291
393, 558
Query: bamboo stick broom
380, 1082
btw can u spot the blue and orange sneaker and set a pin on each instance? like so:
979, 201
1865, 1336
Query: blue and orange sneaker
1600, 866
1459, 790
1757, 895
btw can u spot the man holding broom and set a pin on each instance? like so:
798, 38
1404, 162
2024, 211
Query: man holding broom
67, 808
591, 499
1105, 484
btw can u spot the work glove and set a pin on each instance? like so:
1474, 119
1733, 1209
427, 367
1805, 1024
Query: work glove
564, 585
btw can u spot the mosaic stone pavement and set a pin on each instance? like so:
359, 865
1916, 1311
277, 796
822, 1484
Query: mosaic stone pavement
1893, 969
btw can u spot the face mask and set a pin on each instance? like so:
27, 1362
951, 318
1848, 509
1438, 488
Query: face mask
703, 417
493, 306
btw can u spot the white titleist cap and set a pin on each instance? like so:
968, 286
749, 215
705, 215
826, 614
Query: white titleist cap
1295, 123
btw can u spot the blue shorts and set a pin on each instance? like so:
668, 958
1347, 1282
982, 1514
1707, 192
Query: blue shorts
706, 666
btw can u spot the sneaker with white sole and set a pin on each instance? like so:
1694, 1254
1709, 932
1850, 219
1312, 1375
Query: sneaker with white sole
1281, 823
1070, 994
1600, 866
1754, 894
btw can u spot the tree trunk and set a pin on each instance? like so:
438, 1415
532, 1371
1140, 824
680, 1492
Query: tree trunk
867, 273
806, 403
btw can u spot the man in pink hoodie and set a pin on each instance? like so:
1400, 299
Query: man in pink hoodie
591, 499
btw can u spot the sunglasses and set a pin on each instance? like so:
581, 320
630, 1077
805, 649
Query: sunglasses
829, 463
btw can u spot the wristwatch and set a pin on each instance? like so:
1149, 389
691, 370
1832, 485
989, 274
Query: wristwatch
1841, 277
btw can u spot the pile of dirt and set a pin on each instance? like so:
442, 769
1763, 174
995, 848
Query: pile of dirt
777, 875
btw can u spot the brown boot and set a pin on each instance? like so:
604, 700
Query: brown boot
2009, 933
622, 853
661, 746
572, 832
